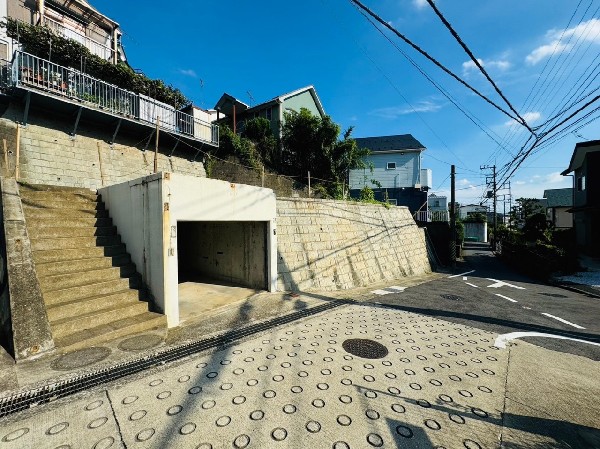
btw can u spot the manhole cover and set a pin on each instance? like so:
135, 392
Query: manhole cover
367, 349
554, 295
452, 297
140, 342
79, 359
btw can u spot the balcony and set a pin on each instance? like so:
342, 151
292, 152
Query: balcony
34, 74
428, 216
96, 48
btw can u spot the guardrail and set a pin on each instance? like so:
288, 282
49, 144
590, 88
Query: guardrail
95, 47
427, 216
29, 71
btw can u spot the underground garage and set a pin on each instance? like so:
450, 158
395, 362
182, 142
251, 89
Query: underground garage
198, 243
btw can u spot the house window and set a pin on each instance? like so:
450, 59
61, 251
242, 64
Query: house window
581, 183
436, 203
269, 113
391, 166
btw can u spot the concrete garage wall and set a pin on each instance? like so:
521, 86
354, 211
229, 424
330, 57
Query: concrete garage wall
328, 245
147, 211
48, 154
229, 251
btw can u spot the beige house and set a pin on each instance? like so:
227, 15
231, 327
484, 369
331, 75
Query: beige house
72, 19
559, 202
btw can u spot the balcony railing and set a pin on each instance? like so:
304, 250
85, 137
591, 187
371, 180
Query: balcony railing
427, 216
31, 72
95, 47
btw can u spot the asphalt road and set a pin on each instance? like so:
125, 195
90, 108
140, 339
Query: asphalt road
487, 294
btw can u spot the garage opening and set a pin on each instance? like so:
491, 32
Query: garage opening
219, 263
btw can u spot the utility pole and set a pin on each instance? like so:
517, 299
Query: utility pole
156, 145
493, 196
453, 215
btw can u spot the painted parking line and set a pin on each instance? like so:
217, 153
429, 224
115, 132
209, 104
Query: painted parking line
505, 338
461, 274
472, 285
506, 297
563, 321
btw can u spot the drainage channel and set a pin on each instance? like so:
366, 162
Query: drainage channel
51, 392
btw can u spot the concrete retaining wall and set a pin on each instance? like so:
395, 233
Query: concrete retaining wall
329, 245
49, 155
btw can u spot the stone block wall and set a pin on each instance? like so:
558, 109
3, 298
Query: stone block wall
49, 155
331, 245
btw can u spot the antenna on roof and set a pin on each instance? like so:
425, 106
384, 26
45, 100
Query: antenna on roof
250, 97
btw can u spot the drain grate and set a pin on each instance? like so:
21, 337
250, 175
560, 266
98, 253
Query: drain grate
554, 295
50, 392
452, 297
367, 349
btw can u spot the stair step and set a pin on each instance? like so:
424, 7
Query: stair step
74, 242
91, 304
76, 265
61, 255
106, 332
33, 213
58, 195
62, 281
46, 232
81, 323
91, 222
25, 187
61, 204
89, 289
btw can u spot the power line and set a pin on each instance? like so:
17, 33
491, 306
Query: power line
477, 63
430, 58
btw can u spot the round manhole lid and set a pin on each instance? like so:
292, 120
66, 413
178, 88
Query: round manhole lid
452, 297
367, 349
140, 342
81, 358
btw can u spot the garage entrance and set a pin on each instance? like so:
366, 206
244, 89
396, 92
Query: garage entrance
219, 263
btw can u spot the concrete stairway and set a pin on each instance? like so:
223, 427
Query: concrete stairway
89, 284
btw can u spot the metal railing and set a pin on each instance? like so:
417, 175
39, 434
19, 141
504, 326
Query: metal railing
428, 216
30, 71
95, 47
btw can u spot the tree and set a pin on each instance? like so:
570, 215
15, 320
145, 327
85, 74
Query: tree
311, 143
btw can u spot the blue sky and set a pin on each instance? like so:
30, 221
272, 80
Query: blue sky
263, 49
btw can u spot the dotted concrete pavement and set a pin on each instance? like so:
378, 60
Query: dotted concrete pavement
440, 385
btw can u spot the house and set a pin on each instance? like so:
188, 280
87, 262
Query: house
559, 201
437, 208
585, 166
71, 19
471, 209
394, 171
237, 112
70, 89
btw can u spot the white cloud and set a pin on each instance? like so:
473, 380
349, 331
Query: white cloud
393, 112
560, 40
188, 72
530, 117
420, 4
500, 64
534, 186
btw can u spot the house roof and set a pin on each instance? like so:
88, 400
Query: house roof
389, 144
227, 101
559, 197
579, 154
84, 8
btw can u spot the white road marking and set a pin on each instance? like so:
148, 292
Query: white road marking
526, 308
464, 278
461, 274
498, 283
395, 287
501, 340
381, 292
563, 321
506, 297
472, 285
